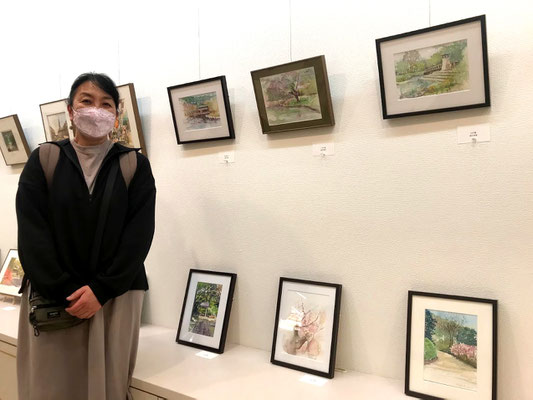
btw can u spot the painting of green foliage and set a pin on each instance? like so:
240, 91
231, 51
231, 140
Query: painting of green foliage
9, 140
291, 97
433, 70
450, 349
205, 308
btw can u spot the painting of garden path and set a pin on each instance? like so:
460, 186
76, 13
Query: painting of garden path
432, 70
291, 97
205, 308
450, 349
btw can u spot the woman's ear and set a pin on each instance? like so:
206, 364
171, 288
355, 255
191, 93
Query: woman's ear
70, 113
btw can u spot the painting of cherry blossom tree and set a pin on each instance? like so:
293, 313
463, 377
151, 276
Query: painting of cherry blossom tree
306, 326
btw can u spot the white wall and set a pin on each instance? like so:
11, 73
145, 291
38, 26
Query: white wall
399, 206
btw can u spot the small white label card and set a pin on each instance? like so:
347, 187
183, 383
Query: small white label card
473, 133
323, 149
206, 354
226, 157
313, 380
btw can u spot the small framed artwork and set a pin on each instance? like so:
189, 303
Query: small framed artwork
293, 96
451, 347
11, 274
201, 111
206, 310
436, 69
306, 326
128, 128
13, 144
56, 121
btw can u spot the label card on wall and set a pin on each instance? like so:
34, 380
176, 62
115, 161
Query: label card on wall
473, 133
323, 149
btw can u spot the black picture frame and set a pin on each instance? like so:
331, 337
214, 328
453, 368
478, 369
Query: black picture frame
475, 320
414, 86
318, 105
207, 122
198, 333
324, 300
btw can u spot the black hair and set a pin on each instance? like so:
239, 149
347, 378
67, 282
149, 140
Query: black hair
103, 81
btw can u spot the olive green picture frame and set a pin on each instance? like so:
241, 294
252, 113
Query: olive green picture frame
323, 115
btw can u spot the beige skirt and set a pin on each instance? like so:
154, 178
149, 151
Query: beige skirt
90, 361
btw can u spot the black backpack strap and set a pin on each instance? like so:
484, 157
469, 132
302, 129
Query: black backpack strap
111, 177
48, 156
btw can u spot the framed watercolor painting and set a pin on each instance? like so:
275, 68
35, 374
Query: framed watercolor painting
56, 121
206, 310
128, 128
11, 274
13, 144
437, 69
451, 347
306, 326
294, 96
201, 111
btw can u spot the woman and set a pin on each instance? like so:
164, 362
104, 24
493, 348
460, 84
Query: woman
57, 222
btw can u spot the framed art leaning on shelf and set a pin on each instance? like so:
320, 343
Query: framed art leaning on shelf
13, 144
451, 347
206, 310
306, 326
436, 69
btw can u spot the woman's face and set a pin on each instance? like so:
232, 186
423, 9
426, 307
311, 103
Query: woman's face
90, 95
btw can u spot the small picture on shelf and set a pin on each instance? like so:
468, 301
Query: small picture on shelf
451, 347
206, 310
306, 326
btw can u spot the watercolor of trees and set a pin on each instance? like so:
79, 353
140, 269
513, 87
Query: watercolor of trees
450, 349
205, 308
433, 70
291, 97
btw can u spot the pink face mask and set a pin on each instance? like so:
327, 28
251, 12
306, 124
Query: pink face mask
94, 122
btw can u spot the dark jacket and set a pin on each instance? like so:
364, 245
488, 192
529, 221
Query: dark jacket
56, 228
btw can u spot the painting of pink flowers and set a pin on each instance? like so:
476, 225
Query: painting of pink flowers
308, 323
450, 349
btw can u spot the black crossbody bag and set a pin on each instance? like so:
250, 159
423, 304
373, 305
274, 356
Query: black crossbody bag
50, 315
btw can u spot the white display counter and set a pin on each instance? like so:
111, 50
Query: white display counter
167, 370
